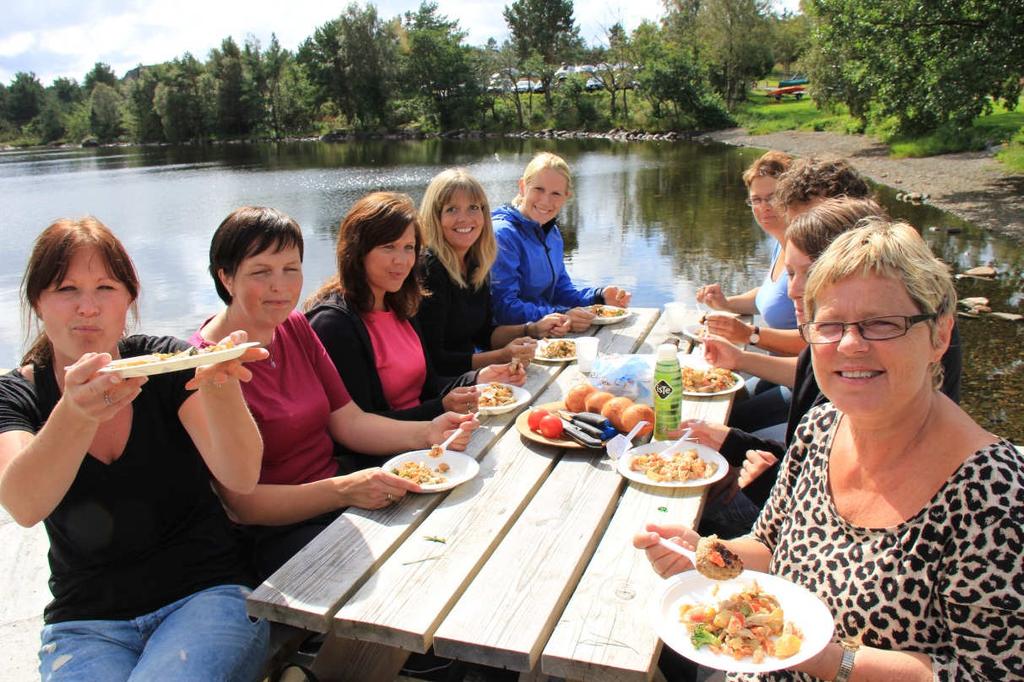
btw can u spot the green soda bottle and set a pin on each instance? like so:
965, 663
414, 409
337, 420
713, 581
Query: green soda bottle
668, 391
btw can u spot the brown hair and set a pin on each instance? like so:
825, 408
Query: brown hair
810, 178
49, 262
485, 248
376, 219
813, 231
769, 165
246, 232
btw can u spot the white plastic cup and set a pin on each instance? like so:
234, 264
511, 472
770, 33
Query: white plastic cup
586, 352
675, 314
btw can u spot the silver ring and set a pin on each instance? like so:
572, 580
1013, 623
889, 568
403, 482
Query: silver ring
390, 498
107, 399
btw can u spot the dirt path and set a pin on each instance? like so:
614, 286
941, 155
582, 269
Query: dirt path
971, 185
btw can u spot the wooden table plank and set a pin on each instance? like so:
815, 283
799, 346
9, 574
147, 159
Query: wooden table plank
310, 587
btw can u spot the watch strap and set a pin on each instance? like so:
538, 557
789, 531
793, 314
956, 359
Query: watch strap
845, 665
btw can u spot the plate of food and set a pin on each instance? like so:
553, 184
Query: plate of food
784, 624
607, 314
555, 350
694, 466
701, 379
161, 363
497, 398
435, 470
560, 441
695, 331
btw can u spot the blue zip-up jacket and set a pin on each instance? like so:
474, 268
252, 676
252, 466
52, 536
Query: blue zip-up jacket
528, 279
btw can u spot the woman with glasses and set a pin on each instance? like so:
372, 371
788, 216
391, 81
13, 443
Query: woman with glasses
769, 298
893, 506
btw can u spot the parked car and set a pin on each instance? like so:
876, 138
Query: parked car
528, 85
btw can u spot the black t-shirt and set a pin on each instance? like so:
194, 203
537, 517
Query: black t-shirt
454, 321
144, 531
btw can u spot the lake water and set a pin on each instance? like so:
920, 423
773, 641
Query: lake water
659, 218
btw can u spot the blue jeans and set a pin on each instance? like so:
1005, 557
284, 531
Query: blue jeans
205, 636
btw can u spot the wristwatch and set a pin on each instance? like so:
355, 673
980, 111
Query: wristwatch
755, 336
846, 664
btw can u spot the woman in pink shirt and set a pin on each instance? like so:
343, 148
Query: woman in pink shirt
364, 318
297, 398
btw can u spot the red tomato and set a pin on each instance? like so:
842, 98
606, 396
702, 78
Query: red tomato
534, 419
551, 427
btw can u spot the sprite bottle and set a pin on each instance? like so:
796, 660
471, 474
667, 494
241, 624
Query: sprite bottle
668, 391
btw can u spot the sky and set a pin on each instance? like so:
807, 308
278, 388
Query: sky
54, 38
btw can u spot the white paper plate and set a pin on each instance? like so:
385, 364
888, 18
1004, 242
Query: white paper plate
463, 467
799, 606
696, 333
128, 367
704, 452
544, 343
600, 321
521, 395
697, 361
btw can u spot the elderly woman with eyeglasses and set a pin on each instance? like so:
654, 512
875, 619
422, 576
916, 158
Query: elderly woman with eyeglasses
893, 506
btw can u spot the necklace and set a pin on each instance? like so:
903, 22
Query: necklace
270, 349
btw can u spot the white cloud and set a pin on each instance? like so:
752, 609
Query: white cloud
16, 43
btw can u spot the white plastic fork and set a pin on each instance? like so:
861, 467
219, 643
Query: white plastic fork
449, 440
677, 445
618, 445
678, 549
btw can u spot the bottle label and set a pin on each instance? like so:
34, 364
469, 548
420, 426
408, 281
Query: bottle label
663, 389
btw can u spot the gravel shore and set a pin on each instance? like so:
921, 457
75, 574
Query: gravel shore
971, 185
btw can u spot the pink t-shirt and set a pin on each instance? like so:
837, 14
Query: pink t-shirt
398, 355
291, 397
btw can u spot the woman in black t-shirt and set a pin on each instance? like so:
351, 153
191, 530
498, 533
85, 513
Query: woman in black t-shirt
146, 577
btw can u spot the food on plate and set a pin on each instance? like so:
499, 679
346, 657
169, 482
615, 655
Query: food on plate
606, 311
710, 380
533, 421
159, 357
613, 409
551, 427
716, 561
496, 395
683, 466
419, 472
435, 451
576, 398
748, 624
595, 401
636, 413
558, 350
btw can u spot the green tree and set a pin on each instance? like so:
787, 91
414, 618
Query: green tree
25, 98
735, 45
101, 73
66, 90
225, 66
141, 118
439, 66
791, 38
351, 62
105, 112
926, 64
50, 122
545, 27
183, 100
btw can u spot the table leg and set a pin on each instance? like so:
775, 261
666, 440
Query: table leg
345, 660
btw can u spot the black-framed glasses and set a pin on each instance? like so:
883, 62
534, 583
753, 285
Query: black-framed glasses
758, 202
871, 329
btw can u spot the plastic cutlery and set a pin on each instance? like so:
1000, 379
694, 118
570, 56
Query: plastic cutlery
618, 445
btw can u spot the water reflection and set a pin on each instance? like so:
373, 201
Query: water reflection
661, 218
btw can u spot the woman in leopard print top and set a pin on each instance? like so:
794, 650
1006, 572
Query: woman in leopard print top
895, 508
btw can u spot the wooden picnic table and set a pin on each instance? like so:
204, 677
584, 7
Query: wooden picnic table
529, 566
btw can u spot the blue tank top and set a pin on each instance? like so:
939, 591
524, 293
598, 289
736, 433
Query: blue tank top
771, 301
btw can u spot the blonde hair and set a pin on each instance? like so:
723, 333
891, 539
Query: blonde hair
484, 250
888, 249
814, 230
540, 162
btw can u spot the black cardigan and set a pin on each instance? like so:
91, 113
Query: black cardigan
344, 335
454, 321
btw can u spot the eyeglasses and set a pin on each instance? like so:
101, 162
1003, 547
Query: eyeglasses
871, 329
758, 202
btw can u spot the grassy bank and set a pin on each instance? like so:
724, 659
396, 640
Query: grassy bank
761, 115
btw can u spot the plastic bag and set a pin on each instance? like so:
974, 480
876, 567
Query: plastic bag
625, 375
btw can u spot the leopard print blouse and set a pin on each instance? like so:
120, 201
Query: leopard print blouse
948, 582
